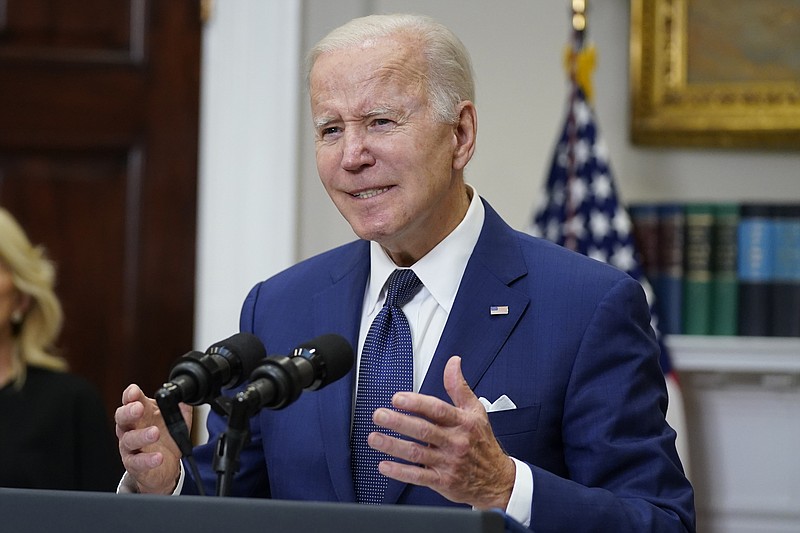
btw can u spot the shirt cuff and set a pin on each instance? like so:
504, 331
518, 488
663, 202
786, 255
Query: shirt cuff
127, 485
521, 501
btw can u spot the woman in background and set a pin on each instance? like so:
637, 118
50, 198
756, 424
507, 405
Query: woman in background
54, 432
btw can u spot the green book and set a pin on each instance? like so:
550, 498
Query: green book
724, 279
697, 269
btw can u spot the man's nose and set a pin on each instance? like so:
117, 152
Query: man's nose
355, 153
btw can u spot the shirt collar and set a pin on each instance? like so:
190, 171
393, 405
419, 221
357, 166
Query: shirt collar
441, 269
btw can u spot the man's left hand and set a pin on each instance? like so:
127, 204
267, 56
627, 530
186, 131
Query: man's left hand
456, 453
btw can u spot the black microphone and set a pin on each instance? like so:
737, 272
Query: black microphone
197, 378
274, 384
280, 380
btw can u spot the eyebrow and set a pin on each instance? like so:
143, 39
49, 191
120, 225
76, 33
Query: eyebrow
322, 122
379, 111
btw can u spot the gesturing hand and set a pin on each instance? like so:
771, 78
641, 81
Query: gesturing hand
148, 452
460, 457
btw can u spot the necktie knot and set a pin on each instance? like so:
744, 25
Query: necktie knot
403, 284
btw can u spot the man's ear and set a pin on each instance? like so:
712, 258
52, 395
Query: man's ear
466, 130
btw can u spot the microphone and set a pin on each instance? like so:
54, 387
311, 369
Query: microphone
196, 378
274, 384
280, 380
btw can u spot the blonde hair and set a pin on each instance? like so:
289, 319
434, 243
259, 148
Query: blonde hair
33, 274
449, 78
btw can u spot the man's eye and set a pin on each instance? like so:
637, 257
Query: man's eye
329, 131
382, 122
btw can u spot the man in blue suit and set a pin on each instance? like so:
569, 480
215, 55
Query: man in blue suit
536, 385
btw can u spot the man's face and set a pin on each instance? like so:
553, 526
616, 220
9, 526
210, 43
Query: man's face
386, 163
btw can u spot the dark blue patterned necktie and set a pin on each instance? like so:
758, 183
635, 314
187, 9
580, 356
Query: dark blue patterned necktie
386, 367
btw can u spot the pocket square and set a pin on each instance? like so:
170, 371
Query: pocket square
503, 403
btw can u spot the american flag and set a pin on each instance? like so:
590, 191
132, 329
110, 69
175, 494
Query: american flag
580, 209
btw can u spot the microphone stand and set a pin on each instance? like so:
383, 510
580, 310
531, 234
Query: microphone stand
231, 443
176, 426
274, 385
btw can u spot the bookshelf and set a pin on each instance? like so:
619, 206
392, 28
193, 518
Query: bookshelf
699, 353
741, 399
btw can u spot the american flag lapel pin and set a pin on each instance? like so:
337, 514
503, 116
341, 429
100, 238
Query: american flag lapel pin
498, 310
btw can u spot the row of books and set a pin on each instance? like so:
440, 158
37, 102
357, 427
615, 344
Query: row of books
722, 268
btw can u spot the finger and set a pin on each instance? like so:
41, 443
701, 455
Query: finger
142, 462
429, 407
127, 416
413, 427
405, 473
457, 387
135, 440
405, 450
132, 393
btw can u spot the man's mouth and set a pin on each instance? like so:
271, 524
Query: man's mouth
370, 193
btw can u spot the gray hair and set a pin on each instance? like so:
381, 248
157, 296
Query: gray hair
449, 75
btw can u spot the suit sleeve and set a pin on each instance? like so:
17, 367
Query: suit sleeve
624, 472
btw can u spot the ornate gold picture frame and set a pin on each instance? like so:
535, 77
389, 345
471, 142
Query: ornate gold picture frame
715, 73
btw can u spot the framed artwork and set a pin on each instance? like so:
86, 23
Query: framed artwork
715, 73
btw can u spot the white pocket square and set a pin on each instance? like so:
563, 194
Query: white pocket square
503, 403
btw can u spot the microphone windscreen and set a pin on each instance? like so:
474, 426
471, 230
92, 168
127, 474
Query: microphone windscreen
242, 349
336, 352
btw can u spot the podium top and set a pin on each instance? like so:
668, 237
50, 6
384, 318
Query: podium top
33, 511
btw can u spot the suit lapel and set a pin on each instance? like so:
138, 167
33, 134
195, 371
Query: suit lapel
472, 331
337, 309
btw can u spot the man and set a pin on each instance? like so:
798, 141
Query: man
555, 346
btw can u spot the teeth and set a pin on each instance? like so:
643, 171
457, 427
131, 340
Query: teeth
370, 193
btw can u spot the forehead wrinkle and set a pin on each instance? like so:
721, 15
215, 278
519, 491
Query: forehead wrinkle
401, 71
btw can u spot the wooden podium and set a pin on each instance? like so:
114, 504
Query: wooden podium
34, 511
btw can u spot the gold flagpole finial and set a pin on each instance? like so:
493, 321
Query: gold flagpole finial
579, 15
580, 59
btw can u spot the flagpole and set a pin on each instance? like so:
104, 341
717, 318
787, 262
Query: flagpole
577, 41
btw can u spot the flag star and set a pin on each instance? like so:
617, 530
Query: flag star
582, 152
583, 113
557, 194
601, 185
622, 258
577, 193
541, 202
553, 230
598, 254
599, 223
622, 223
561, 156
576, 226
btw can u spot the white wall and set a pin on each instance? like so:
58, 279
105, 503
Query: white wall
247, 186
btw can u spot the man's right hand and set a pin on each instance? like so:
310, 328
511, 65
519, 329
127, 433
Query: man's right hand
148, 453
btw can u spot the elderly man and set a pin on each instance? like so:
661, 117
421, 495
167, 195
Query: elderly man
495, 370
